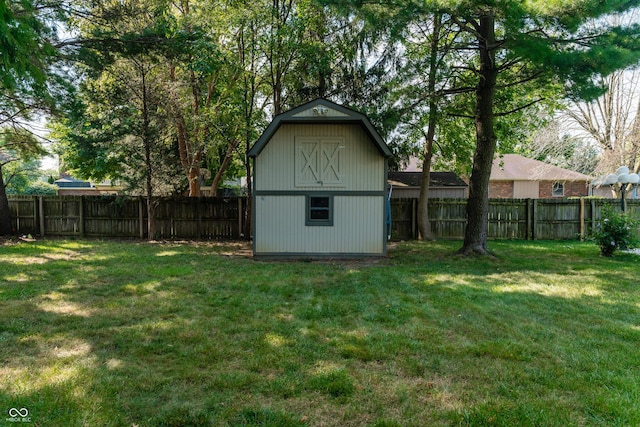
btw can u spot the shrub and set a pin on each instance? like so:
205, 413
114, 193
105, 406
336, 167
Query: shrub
35, 188
615, 231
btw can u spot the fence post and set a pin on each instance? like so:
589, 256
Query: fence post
527, 233
240, 215
41, 216
582, 228
593, 215
199, 218
414, 218
534, 205
141, 217
81, 225
36, 223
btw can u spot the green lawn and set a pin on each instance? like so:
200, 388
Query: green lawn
96, 333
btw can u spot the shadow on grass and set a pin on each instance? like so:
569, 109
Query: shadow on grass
120, 334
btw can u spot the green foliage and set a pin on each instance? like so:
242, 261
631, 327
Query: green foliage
19, 143
24, 46
38, 188
28, 81
192, 86
25, 178
19, 164
615, 230
101, 137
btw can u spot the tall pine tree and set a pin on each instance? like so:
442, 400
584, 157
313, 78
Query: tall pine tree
27, 52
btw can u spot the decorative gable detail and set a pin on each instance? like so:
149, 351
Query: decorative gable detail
319, 111
318, 162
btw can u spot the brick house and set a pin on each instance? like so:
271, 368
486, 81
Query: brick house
442, 185
517, 177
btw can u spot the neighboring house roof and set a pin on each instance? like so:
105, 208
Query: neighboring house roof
437, 179
320, 111
513, 167
70, 182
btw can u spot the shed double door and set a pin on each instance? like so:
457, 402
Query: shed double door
318, 162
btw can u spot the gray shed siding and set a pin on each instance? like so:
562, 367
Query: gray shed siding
357, 228
361, 166
348, 167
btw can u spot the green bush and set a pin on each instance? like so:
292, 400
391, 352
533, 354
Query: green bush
615, 231
34, 188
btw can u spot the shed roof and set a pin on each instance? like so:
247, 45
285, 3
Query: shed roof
514, 167
437, 179
320, 111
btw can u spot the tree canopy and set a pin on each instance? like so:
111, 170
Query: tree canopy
29, 86
193, 82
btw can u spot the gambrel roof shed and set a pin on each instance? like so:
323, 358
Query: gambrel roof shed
320, 184
320, 111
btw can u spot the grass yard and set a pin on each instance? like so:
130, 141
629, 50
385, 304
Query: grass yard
96, 333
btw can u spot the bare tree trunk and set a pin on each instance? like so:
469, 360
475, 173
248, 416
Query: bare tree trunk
248, 227
424, 225
147, 141
475, 239
248, 223
195, 152
608, 120
190, 145
151, 207
5, 213
634, 141
250, 88
223, 167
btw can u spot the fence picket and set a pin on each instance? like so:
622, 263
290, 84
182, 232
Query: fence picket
223, 218
126, 217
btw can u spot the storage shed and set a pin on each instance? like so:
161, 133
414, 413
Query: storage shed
320, 185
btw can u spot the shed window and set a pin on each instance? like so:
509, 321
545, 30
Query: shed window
319, 210
558, 189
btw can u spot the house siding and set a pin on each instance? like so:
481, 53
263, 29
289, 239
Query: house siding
526, 190
505, 190
501, 190
571, 189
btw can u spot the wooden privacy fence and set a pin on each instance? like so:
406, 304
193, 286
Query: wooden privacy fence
524, 219
115, 216
224, 218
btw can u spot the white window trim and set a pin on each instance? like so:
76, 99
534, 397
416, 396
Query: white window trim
553, 189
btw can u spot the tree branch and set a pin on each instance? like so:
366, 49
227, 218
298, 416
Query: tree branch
529, 104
